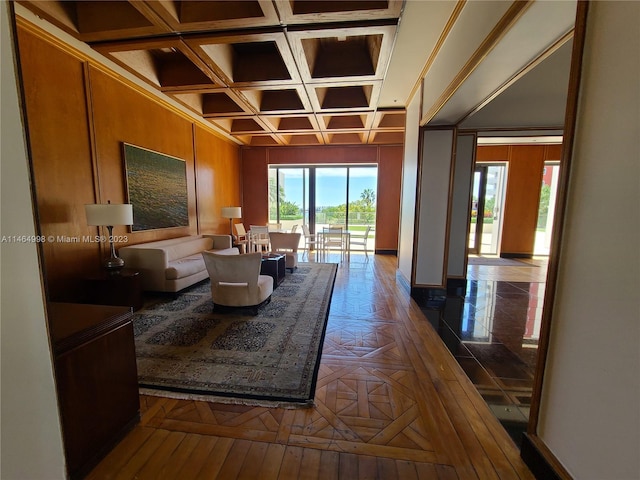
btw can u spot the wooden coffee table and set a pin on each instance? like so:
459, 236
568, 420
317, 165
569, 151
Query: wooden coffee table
273, 264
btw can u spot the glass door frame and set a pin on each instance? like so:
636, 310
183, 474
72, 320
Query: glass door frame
482, 190
499, 206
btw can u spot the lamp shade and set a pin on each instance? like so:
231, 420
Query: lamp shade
109, 214
231, 212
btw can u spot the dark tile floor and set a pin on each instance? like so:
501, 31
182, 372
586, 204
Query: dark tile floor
493, 333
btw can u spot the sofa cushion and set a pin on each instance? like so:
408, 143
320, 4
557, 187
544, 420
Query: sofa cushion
184, 267
188, 247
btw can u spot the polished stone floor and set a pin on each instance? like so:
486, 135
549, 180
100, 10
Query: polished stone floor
493, 333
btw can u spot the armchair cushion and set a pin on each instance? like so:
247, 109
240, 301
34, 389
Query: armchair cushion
286, 244
236, 279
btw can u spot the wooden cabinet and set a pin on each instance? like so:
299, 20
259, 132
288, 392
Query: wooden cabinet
96, 378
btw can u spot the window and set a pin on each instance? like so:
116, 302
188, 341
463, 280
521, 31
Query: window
323, 195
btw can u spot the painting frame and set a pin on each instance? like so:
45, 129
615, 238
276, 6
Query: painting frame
156, 186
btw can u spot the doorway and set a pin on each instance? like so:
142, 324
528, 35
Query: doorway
489, 182
546, 208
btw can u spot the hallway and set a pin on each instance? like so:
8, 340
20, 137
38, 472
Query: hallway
493, 333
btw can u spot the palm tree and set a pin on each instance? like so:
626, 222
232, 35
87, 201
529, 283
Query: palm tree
368, 198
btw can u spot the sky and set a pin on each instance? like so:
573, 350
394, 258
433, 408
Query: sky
330, 184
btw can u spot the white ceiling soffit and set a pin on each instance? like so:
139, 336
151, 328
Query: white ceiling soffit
474, 24
421, 25
538, 99
455, 88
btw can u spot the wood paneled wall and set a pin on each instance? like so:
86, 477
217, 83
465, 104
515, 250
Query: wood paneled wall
79, 114
61, 161
389, 193
255, 186
218, 174
121, 114
526, 165
255, 166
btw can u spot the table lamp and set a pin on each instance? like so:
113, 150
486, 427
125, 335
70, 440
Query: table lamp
231, 213
108, 215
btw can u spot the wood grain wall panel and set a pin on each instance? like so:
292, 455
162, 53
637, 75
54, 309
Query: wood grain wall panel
255, 186
526, 163
121, 114
492, 153
389, 191
323, 155
552, 153
218, 180
256, 161
61, 162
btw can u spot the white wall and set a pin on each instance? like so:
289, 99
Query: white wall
409, 182
460, 206
31, 438
590, 411
435, 178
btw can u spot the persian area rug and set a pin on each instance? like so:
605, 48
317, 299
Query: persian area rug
185, 349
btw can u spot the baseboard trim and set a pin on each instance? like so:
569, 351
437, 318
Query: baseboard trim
542, 463
516, 255
386, 252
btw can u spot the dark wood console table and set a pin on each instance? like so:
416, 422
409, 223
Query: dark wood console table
97, 379
119, 288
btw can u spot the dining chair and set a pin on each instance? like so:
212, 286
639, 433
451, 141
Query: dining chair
311, 240
360, 241
294, 228
243, 238
333, 237
259, 236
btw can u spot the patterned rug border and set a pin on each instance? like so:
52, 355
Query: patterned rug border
269, 401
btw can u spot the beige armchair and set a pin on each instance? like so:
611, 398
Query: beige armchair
286, 244
236, 280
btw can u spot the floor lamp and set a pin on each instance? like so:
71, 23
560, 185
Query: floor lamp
108, 215
231, 213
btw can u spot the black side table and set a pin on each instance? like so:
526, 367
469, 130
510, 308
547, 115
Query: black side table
273, 265
121, 288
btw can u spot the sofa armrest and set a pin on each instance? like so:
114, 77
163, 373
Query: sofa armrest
220, 242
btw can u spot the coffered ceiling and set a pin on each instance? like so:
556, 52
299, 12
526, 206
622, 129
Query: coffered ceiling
291, 72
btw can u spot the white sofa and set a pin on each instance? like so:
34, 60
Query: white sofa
174, 264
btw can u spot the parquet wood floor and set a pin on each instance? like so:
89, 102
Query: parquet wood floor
391, 403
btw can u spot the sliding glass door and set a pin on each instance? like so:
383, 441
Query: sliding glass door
320, 196
489, 183
331, 197
289, 196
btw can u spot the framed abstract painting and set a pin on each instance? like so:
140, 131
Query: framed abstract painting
157, 189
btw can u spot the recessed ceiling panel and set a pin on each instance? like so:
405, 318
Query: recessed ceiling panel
356, 96
92, 21
304, 11
167, 64
361, 52
198, 15
249, 59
